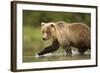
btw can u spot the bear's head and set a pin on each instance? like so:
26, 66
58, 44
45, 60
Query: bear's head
48, 30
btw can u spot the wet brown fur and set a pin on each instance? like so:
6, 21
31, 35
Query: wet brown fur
69, 35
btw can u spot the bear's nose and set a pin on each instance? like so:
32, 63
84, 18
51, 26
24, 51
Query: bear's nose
43, 38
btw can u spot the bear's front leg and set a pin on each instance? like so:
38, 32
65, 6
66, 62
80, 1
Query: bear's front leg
55, 45
68, 51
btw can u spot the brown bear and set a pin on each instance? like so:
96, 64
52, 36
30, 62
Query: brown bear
66, 35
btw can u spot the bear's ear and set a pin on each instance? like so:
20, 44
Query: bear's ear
42, 23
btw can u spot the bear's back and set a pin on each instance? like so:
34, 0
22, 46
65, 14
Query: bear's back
78, 33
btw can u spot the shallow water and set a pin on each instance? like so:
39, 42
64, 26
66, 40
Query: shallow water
55, 57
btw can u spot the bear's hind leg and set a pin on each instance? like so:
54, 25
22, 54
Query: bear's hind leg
82, 50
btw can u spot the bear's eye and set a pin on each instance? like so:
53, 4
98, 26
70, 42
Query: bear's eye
52, 25
47, 31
